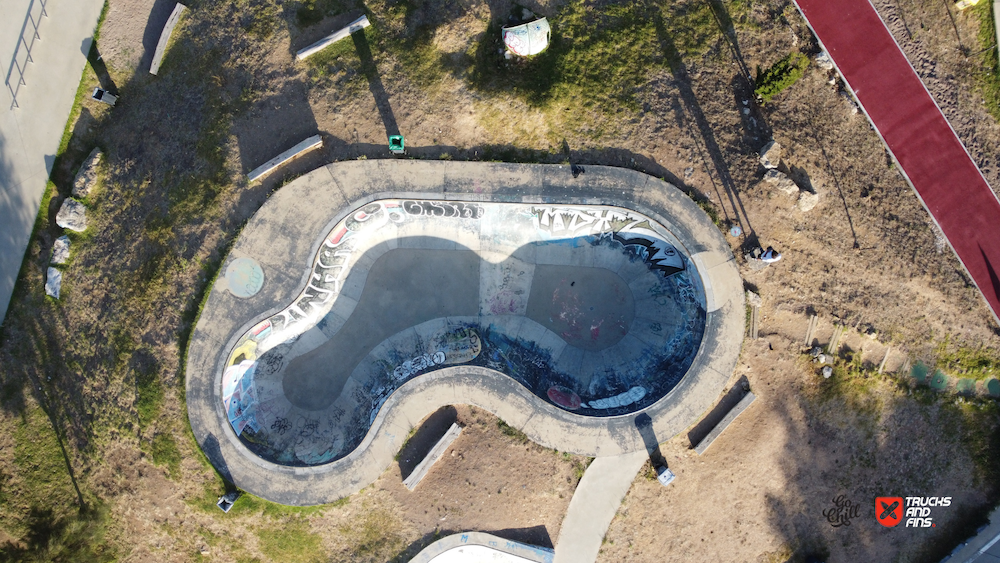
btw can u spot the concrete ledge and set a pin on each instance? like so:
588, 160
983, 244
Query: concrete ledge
356, 25
464, 540
298, 150
161, 45
414, 478
725, 422
290, 227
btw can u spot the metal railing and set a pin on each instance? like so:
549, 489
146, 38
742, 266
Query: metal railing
33, 20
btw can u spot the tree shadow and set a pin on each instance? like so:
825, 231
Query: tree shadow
370, 70
840, 192
708, 146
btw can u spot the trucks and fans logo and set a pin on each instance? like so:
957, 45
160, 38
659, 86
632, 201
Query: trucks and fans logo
888, 510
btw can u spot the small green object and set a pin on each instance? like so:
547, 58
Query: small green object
939, 381
993, 386
919, 372
967, 386
396, 144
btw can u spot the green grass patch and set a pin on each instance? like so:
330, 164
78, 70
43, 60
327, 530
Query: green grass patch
596, 59
291, 540
164, 451
148, 396
780, 76
973, 362
41, 507
989, 74
376, 535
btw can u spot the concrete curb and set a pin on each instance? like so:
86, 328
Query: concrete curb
161, 45
298, 150
356, 25
287, 231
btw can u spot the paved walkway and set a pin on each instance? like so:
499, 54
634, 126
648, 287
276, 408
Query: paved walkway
594, 505
921, 140
288, 231
30, 134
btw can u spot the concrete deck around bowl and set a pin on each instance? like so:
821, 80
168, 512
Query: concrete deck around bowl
287, 233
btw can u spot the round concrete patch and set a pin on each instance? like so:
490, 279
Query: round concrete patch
244, 277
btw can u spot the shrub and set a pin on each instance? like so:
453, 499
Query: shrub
781, 75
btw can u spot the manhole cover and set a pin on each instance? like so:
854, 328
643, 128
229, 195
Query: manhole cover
244, 278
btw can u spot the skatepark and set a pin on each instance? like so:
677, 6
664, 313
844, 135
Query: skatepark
336, 327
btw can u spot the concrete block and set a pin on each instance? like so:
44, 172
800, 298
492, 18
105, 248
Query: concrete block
725, 422
161, 45
298, 150
420, 471
356, 25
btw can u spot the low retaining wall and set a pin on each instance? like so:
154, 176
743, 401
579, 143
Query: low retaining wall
298, 150
725, 422
168, 29
356, 25
435, 454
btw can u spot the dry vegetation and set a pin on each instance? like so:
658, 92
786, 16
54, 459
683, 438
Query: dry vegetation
97, 462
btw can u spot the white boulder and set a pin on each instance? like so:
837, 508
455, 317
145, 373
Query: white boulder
53, 282
60, 250
72, 215
770, 155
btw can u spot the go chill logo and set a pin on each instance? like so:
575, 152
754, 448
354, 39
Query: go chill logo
915, 511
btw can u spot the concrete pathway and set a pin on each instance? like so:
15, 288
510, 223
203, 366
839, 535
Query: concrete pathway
984, 547
30, 134
594, 505
916, 132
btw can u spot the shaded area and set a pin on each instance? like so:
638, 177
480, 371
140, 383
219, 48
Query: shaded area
412, 286
708, 144
424, 438
644, 424
590, 308
370, 70
721, 409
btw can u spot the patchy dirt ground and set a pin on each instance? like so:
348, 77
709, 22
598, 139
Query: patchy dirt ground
867, 256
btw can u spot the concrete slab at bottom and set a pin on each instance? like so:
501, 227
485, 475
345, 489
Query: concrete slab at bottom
594, 505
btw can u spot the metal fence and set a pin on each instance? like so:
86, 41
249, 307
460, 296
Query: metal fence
23, 48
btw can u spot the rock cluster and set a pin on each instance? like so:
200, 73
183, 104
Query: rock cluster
770, 158
780, 181
824, 61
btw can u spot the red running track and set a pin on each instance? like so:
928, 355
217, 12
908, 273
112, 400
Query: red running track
929, 153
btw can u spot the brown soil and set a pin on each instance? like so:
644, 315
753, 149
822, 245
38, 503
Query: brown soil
866, 256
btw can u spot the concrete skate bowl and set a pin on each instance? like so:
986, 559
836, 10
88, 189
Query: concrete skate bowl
566, 316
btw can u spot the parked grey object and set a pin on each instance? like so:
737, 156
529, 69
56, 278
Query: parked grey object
104, 97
